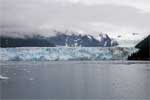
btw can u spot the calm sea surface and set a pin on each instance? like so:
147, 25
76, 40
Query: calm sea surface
75, 80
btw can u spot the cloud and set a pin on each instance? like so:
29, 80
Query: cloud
139, 4
82, 15
112, 28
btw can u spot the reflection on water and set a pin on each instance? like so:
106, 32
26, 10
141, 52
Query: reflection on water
75, 80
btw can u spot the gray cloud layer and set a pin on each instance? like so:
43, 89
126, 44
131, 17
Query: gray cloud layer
114, 16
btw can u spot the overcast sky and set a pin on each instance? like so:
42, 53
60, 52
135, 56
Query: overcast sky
113, 16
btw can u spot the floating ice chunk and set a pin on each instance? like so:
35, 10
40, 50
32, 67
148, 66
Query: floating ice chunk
3, 78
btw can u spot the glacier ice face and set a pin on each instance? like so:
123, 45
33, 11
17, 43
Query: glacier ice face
64, 53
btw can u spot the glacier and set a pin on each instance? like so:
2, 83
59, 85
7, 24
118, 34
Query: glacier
65, 53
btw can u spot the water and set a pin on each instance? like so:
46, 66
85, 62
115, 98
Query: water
88, 80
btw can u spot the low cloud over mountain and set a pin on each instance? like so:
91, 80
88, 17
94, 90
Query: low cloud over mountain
92, 16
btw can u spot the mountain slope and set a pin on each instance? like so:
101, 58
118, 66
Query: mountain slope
24, 42
60, 39
144, 50
82, 40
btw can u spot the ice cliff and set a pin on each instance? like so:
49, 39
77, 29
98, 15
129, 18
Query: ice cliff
64, 53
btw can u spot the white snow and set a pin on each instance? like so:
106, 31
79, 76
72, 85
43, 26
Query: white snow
89, 36
128, 39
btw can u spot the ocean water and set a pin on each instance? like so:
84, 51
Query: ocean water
75, 80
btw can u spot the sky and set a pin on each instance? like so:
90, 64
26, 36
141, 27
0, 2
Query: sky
84, 16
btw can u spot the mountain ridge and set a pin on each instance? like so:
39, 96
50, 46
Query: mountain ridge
60, 39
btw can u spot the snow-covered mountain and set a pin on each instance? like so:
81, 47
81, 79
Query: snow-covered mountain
72, 39
59, 39
79, 40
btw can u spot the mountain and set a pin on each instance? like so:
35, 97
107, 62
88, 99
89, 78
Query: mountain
144, 50
79, 40
24, 42
60, 39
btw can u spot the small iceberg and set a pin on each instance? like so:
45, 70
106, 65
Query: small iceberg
3, 78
